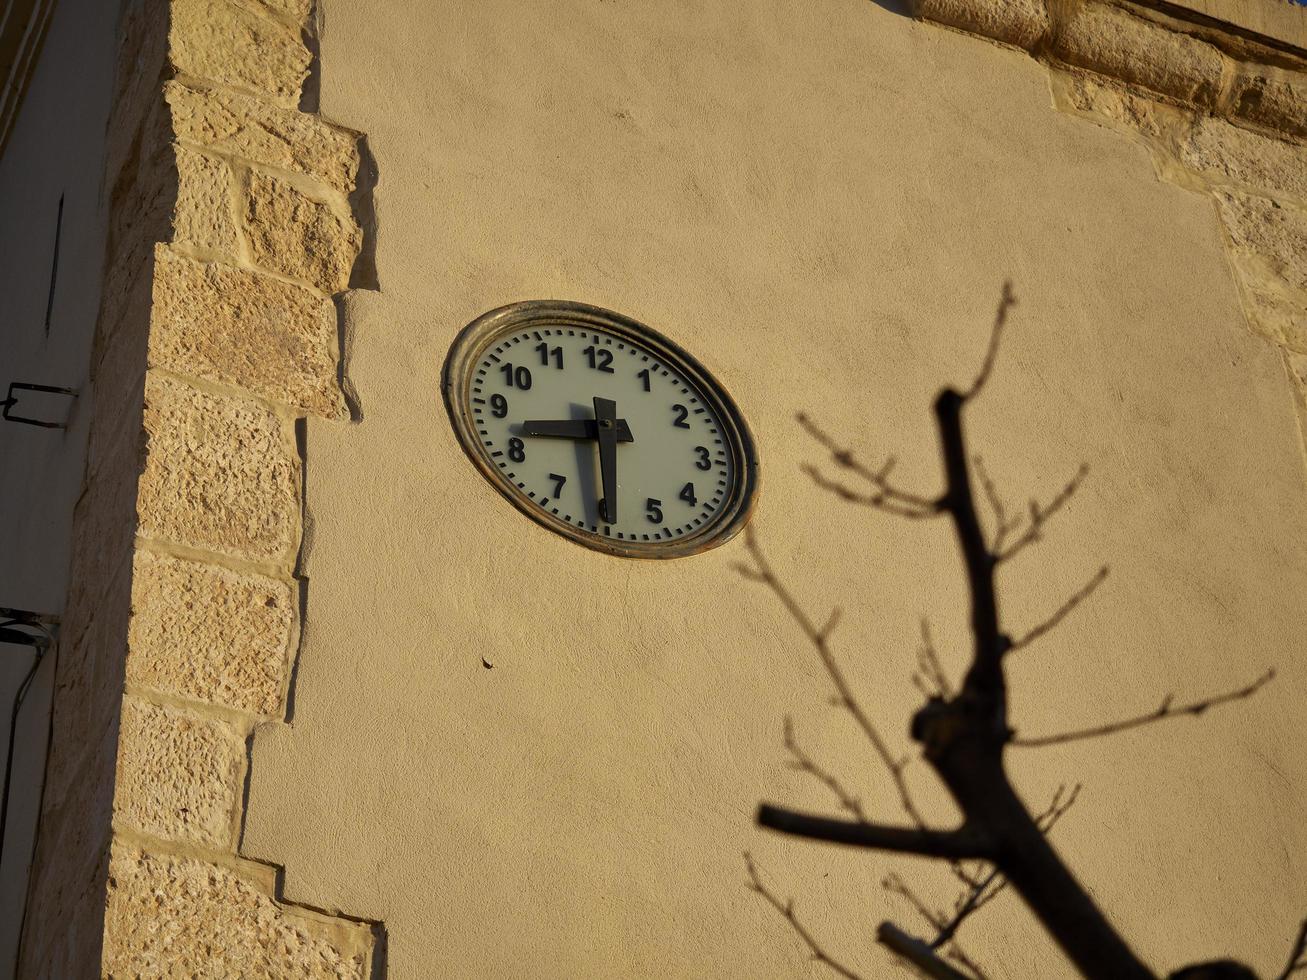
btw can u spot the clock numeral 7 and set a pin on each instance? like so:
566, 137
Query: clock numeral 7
558, 484
653, 509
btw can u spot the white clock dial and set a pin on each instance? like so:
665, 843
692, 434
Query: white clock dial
601, 429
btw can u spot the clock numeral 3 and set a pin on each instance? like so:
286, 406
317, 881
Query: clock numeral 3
704, 462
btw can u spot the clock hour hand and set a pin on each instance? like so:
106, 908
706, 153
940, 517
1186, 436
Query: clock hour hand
606, 424
574, 429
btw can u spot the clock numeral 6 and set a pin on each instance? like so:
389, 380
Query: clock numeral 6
682, 413
517, 377
516, 450
704, 462
498, 406
653, 509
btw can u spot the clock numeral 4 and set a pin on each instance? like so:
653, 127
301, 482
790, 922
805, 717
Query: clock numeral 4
687, 494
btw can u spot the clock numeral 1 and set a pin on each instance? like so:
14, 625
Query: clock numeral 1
653, 509
517, 376
545, 354
687, 494
644, 376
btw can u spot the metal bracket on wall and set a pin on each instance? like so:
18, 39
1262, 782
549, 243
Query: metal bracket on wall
22, 628
11, 400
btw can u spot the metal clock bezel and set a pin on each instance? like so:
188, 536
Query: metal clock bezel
486, 329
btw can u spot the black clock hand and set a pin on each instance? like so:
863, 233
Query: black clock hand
606, 423
574, 429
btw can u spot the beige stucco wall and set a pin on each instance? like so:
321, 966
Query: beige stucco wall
820, 201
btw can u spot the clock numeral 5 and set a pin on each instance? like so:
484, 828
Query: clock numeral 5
653, 509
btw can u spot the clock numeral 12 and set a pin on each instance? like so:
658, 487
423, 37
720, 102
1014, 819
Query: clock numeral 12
600, 359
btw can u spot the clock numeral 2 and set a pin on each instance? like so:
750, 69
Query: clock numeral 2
519, 377
682, 413
653, 509
600, 359
545, 354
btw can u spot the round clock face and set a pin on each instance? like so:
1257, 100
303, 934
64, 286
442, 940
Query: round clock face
601, 429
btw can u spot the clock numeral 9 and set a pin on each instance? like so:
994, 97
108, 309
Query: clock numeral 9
653, 509
516, 450
704, 462
687, 494
545, 354
682, 413
600, 359
517, 377
498, 406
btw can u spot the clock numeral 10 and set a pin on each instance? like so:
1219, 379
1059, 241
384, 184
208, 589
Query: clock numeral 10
519, 377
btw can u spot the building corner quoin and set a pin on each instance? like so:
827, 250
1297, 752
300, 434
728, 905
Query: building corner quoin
233, 221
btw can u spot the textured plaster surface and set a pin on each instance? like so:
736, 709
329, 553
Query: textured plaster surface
820, 201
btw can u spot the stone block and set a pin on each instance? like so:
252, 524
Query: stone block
300, 237
206, 633
254, 130
1273, 315
233, 45
293, 11
1236, 157
1271, 97
1020, 22
179, 775
183, 917
1121, 45
203, 215
238, 327
1267, 235
221, 474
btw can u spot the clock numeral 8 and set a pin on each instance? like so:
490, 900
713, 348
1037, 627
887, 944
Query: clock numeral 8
516, 450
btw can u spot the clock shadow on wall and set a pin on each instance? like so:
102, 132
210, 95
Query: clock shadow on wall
601, 429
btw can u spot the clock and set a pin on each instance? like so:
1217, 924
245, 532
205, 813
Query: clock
601, 429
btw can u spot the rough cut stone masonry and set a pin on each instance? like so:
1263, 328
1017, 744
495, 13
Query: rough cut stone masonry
232, 226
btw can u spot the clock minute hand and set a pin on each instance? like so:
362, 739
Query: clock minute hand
606, 424
574, 429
